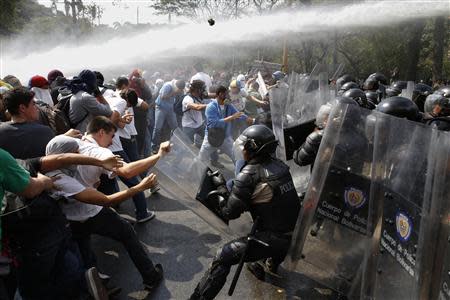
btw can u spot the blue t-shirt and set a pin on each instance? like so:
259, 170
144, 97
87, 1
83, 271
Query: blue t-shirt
215, 116
165, 90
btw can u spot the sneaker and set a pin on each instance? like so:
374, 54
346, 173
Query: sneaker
150, 215
151, 284
217, 165
95, 286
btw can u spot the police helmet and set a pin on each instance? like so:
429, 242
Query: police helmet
444, 91
436, 99
359, 96
372, 97
345, 100
379, 77
258, 140
399, 85
393, 91
400, 107
422, 89
347, 86
344, 79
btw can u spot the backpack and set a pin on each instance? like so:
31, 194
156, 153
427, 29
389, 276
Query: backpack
178, 105
57, 117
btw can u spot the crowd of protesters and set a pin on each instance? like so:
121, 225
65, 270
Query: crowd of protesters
59, 186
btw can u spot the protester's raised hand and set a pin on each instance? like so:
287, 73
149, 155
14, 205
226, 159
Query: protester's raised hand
74, 133
148, 182
250, 121
112, 163
164, 148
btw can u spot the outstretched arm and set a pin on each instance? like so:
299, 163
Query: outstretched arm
92, 196
59, 161
137, 167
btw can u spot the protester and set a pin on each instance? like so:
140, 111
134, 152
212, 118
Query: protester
220, 115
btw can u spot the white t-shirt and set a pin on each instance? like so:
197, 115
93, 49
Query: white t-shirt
67, 187
130, 128
120, 105
191, 118
87, 175
203, 77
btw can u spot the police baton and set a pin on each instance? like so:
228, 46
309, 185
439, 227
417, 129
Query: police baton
250, 237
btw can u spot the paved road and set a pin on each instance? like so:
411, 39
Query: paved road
183, 243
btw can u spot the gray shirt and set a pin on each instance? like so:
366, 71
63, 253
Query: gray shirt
25, 140
84, 106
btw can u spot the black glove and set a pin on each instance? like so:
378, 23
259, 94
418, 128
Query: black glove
217, 199
217, 179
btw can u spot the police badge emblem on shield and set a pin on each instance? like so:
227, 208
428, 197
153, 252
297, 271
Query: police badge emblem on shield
354, 197
403, 226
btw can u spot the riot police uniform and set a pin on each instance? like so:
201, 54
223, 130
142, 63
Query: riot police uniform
264, 187
437, 112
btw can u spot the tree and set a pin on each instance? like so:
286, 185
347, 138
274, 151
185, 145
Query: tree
414, 47
439, 39
264, 5
201, 9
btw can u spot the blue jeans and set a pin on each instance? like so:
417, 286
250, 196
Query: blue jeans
164, 113
237, 169
192, 132
110, 186
130, 148
148, 135
206, 151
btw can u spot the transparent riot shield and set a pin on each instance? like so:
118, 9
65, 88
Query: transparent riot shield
402, 173
434, 279
331, 235
278, 98
306, 95
187, 172
408, 92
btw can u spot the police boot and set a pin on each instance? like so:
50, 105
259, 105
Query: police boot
257, 269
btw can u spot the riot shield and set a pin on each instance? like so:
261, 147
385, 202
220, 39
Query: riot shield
434, 279
408, 92
306, 95
331, 235
400, 198
185, 169
278, 98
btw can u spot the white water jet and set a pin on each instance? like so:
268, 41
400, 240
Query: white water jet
152, 44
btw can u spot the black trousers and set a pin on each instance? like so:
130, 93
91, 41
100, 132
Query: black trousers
109, 224
230, 254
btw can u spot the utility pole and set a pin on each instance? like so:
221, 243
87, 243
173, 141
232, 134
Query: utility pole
284, 67
137, 15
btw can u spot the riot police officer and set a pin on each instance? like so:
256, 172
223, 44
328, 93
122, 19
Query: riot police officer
437, 112
400, 107
307, 152
264, 187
